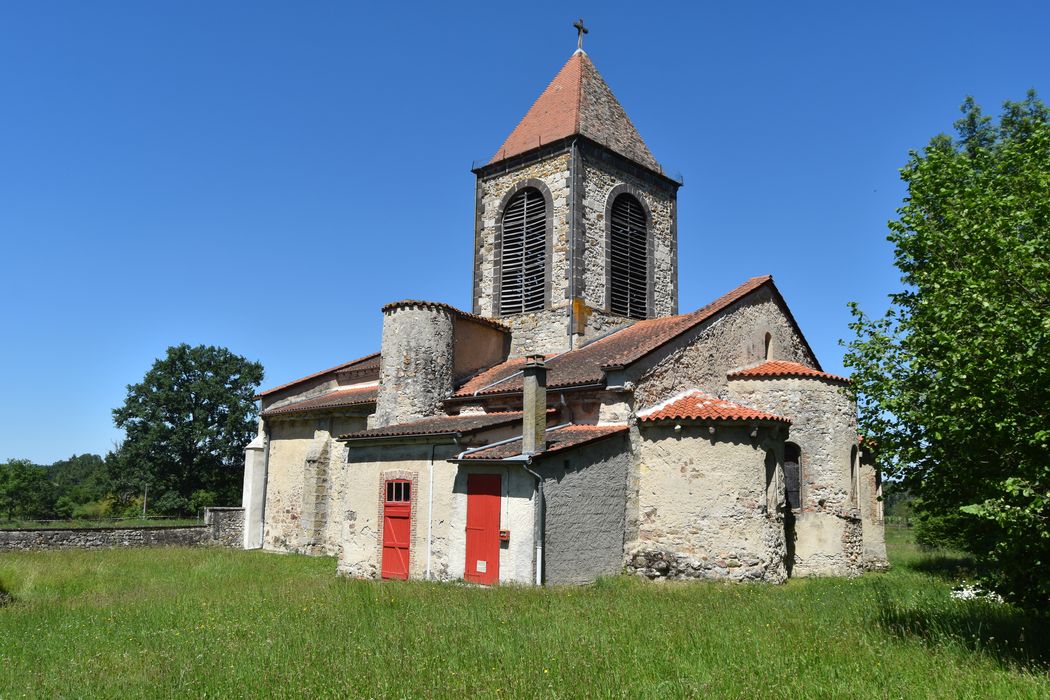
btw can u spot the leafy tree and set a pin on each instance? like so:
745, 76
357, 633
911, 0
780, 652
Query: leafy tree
79, 479
186, 425
953, 381
25, 491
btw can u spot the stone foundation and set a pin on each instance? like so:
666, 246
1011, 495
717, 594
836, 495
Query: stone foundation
721, 566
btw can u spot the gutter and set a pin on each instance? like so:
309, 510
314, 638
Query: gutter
496, 394
418, 437
527, 458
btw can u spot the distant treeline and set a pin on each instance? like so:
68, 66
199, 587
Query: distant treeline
86, 486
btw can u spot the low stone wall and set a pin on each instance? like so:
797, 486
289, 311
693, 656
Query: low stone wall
227, 526
222, 527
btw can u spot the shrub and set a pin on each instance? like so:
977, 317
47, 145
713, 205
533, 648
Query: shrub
94, 510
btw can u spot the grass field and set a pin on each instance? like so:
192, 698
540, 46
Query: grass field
208, 623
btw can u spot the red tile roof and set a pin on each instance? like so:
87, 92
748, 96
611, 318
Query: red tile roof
696, 405
779, 368
359, 363
439, 425
577, 101
557, 440
624, 347
411, 303
358, 396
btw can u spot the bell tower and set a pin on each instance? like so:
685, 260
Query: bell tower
575, 229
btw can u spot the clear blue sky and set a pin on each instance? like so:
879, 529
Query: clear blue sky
265, 175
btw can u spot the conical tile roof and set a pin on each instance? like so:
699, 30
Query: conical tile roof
578, 101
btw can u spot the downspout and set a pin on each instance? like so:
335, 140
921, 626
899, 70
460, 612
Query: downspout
537, 532
430, 508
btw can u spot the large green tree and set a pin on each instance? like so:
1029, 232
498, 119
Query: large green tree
186, 425
953, 381
25, 491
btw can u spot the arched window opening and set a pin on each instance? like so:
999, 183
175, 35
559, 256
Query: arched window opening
771, 473
792, 475
879, 505
628, 258
767, 343
523, 255
854, 485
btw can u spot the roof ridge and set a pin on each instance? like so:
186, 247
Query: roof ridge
315, 375
783, 368
696, 404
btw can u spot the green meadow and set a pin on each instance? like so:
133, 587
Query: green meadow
182, 623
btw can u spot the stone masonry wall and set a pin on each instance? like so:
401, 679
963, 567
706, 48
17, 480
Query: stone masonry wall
305, 483
417, 366
874, 532
732, 340
223, 527
290, 441
227, 526
705, 502
824, 426
553, 173
602, 176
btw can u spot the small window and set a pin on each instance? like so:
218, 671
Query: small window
768, 342
398, 491
792, 476
628, 258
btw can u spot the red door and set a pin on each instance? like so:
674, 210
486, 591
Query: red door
483, 498
397, 529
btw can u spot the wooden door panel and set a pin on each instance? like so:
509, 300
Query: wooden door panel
397, 537
483, 520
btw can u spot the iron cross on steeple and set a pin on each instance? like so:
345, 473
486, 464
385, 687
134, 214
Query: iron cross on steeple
580, 31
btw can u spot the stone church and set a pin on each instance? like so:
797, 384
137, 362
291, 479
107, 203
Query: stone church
573, 423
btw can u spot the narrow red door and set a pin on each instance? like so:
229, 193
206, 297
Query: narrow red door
397, 529
483, 497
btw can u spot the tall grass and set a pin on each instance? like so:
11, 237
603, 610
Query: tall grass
205, 622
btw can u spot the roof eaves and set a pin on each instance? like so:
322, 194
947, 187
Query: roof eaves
392, 439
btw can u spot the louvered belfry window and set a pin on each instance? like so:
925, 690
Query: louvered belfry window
628, 259
523, 263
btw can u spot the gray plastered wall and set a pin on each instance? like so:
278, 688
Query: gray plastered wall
584, 491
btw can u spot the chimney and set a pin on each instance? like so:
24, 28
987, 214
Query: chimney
534, 395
